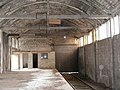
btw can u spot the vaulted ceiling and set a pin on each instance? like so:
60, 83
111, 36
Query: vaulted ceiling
77, 17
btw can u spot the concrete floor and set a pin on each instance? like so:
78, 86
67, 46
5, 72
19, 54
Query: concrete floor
36, 79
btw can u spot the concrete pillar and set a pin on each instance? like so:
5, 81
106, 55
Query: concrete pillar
18, 61
21, 60
30, 60
1, 61
9, 59
39, 59
10, 52
4, 52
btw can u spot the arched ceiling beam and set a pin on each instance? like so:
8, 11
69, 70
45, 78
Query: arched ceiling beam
100, 7
60, 17
41, 2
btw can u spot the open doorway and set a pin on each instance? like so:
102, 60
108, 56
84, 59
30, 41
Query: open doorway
35, 60
14, 62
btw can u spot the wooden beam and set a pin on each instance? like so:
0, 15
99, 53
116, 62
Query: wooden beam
13, 34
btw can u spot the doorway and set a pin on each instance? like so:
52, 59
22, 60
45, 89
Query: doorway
14, 62
35, 60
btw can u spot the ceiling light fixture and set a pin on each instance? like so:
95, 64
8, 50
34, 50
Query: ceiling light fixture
65, 37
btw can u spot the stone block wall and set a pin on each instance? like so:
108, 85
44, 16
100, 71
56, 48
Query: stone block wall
35, 44
47, 63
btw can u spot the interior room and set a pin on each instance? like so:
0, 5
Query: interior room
59, 44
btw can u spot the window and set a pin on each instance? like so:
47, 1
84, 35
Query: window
112, 27
44, 55
13, 42
97, 33
90, 38
81, 41
94, 35
85, 39
116, 23
108, 28
102, 31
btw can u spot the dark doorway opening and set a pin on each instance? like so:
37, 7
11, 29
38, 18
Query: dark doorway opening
35, 60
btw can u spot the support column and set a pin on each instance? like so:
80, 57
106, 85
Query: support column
112, 64
21, 60
4, 53
1, 61
30, 60
39, 60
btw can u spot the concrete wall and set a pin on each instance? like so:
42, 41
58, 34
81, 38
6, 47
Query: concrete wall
103, 59
90, 61
116, 56
47, 63
94, 56
81, 61
66, 58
